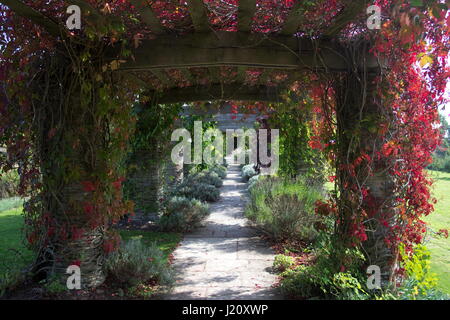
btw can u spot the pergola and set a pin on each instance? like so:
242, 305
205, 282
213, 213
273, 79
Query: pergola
204, 64
205, 52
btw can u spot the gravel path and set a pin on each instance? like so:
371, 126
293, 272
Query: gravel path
225, 259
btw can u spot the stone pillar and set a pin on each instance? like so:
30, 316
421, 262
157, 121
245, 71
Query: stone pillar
172, 173
145, 181
358, 116
74, 203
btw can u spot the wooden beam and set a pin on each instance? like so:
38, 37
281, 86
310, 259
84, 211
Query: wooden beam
197, 10
187, 75
148, 16
214, 73
264, 76
25, 11
346, 16
246, 11
242, 74
236, 49
221, 92
294, 19
162, 76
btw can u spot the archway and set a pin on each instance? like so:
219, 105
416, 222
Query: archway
88, 107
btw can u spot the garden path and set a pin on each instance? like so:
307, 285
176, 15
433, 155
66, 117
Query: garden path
225, 259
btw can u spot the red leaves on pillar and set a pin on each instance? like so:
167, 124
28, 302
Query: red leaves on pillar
88, 186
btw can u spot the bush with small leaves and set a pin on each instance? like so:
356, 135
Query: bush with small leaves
135, 263
252, 181
220, 170
181, 214
248, 171
282, 262
284, 208
200, 191
207, 177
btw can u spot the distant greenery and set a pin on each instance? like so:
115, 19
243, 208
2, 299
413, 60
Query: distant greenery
10, 203
9, 184
441, 157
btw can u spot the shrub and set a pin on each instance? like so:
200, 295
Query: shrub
248, 171
297, 283
321, 281
284, 208
220, 170
282, 262
206, 177
135, 263
200, 191
420, 281
182, 214
252, 181
10, 280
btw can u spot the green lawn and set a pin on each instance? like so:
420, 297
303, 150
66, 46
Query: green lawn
13, 253
440, 219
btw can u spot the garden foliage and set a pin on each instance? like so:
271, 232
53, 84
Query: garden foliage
135, 263
182, 214
284, 208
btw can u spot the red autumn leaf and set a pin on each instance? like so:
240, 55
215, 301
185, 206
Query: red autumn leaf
88, 186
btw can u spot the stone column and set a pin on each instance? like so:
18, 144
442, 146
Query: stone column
359, 112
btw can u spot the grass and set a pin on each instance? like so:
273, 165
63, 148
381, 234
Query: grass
440, 219
13, 253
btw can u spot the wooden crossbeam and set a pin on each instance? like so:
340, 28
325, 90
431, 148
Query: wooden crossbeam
265, 76
294, 19
346, 16
214, 73
197, 10
187, 75
162, 76
246, 11
238, 50
242, 75
148, 16
27, 12
221, 92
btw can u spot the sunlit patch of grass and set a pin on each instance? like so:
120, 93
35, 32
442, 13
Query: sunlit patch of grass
440, 219
13, 253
